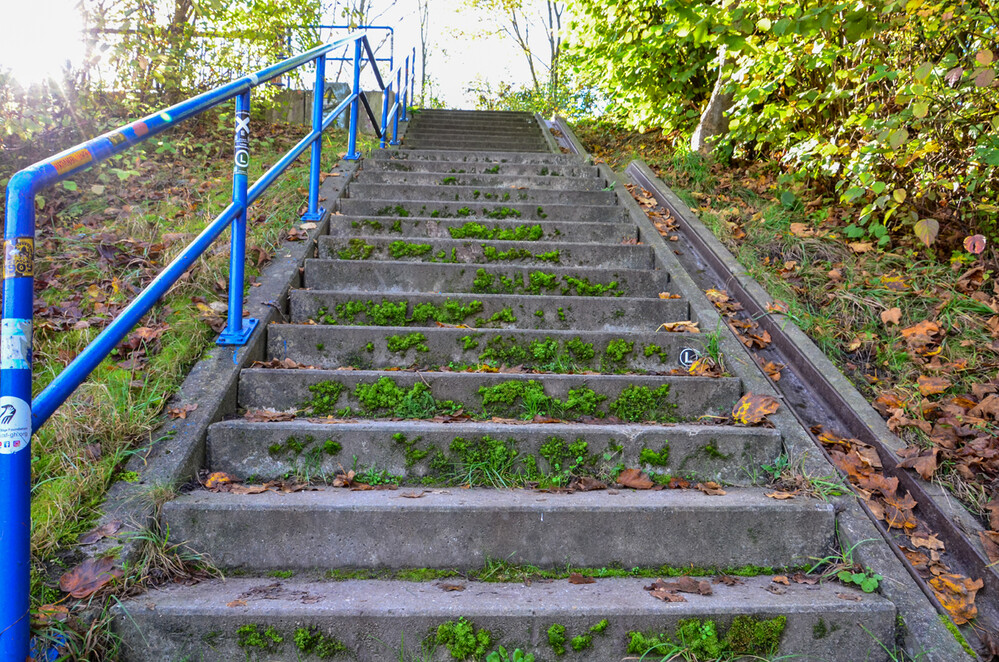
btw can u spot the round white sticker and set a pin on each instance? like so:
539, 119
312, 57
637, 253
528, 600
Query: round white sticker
15, 425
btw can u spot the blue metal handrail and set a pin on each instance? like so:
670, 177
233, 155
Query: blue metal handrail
18, 418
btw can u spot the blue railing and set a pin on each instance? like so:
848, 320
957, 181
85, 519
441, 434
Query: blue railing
18, 418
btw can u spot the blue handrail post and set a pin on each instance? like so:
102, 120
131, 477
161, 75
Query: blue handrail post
386, 93
412, 81
352, 153
237, 331
405, 93
15, 416
398, 99
316, 212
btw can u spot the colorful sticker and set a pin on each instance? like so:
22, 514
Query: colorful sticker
72, 161
242, 156
19, 257
15, 425
117, 138
15, 344
140, 129
688, 356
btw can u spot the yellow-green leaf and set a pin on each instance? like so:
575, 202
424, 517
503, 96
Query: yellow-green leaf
926, 230
920, 109
899, 194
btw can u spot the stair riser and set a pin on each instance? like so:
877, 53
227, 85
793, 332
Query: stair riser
368, 348
470, 130
480, 156
497, 144
370, 176
339, 528
416, 277
618, 314
476, 195
459, 168
383, 621
528, 212
696, 452
285, 390
348, 226
461, 251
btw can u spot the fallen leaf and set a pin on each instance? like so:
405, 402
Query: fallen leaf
990, 540
576, 578
781, 495
89, 577
861, 246
852, 597
46, 614
267, 416
957, 595
635, 479
414, 495
679, 327
932, 385
710, 488
891, 316
974, 244
214, 481
781, 579
451, 587
104, 531
236, 603
181, 411
751, 409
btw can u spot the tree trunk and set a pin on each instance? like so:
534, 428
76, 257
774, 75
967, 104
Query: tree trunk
714, 121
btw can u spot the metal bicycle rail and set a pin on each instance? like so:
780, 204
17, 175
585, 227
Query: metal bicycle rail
20, 415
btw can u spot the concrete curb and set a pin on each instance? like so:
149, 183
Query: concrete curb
176, 449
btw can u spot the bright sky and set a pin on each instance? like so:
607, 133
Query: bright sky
38, 37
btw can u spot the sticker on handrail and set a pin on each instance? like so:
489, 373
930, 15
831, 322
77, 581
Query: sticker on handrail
140, 129
15, 425
71, 161
15, 344
19, 257
242, 156
116, 138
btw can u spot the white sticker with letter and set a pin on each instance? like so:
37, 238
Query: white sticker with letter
15, 425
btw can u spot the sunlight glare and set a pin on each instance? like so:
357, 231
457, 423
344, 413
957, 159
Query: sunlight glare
38, 38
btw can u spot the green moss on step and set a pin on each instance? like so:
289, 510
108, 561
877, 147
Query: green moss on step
402, 249
462, 640
312, 641
397, 210
249, 637
324, 397
654, 458
404, 343
640, 403
472, 230
618, 349
357, 249
556, 638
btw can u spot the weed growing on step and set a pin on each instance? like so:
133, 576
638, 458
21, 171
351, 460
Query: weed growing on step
325, 395
404, 343
584, 641
389, 313
249, 637
403, 249
384, 398
462, 640
640, 403
556, 638
397, 210
357, 249
517, 655
311, 641
501, 213
653, 458
700, 639
472, 230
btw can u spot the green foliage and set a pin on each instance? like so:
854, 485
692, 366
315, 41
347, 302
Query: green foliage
401, 249
473, 230
501, 655
640, 403
700, 640
866, 580
249, 636
462, 640
357, 249
324, 397
313, 641
403, 343
556, 638
890, 102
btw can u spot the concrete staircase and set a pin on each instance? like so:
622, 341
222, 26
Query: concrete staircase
514, 280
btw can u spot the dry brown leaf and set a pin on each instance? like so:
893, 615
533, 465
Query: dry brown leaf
752, 408
990, 540
236, 603
710, 488
181, 411
214, 481
635, 479
781, 579
679, 327
89, 577
891, 316
576, 578
781, 495
852, 597
104, 531
268, 416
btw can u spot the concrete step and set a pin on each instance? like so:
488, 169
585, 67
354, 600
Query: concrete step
632, 396
551, 312
345, 226
387, 621
497, 144
575, 351
398, 277
476, 251
474, 132
484, 210
479, 156
453, 113
371, 176
459, 167
476, 194
464, 528
422, 451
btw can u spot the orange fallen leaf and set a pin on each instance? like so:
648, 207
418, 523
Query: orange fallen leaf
635, 479
781, 495
957, 595
932, 385
89, 577
891, 316
711, 488
781, 579
576, 578
752, 408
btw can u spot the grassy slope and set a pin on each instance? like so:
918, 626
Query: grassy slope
98, 244
837, 293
